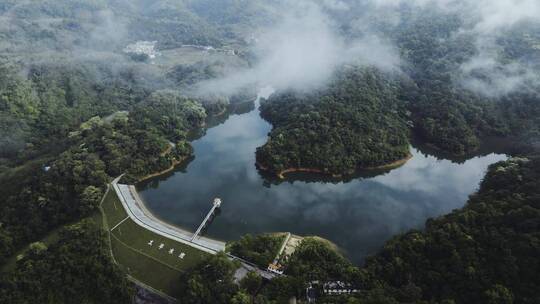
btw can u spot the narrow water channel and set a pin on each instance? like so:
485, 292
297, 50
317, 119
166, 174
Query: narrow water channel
358, 215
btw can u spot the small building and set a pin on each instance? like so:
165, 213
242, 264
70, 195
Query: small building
275, 268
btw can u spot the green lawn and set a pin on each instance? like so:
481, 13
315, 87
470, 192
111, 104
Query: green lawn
113, 209
152, 266
145, 269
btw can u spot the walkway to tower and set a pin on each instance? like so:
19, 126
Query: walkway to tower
138, 212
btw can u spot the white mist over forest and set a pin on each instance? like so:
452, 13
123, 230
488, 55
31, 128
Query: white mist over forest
303, 48
306, 43
297, 44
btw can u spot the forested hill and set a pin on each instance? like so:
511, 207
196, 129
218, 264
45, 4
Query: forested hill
453, 109
486, 252
447, 105
357, 122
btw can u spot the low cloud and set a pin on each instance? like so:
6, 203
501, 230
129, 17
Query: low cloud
487, 75
486, 72
304, 45
485, 20
335, 5
109, 32
303, 50
499, 14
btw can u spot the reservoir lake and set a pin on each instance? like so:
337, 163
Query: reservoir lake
358, 214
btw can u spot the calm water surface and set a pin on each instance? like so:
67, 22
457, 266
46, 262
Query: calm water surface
358, 215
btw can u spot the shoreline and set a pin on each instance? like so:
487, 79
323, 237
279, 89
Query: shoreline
394, 164
391, 165
175, 163
281, 175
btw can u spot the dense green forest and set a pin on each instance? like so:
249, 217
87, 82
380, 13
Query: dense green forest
449, 116
356, 123
484, 253
76, 269
454, 117
76, 112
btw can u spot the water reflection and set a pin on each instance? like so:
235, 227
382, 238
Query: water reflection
358, 215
